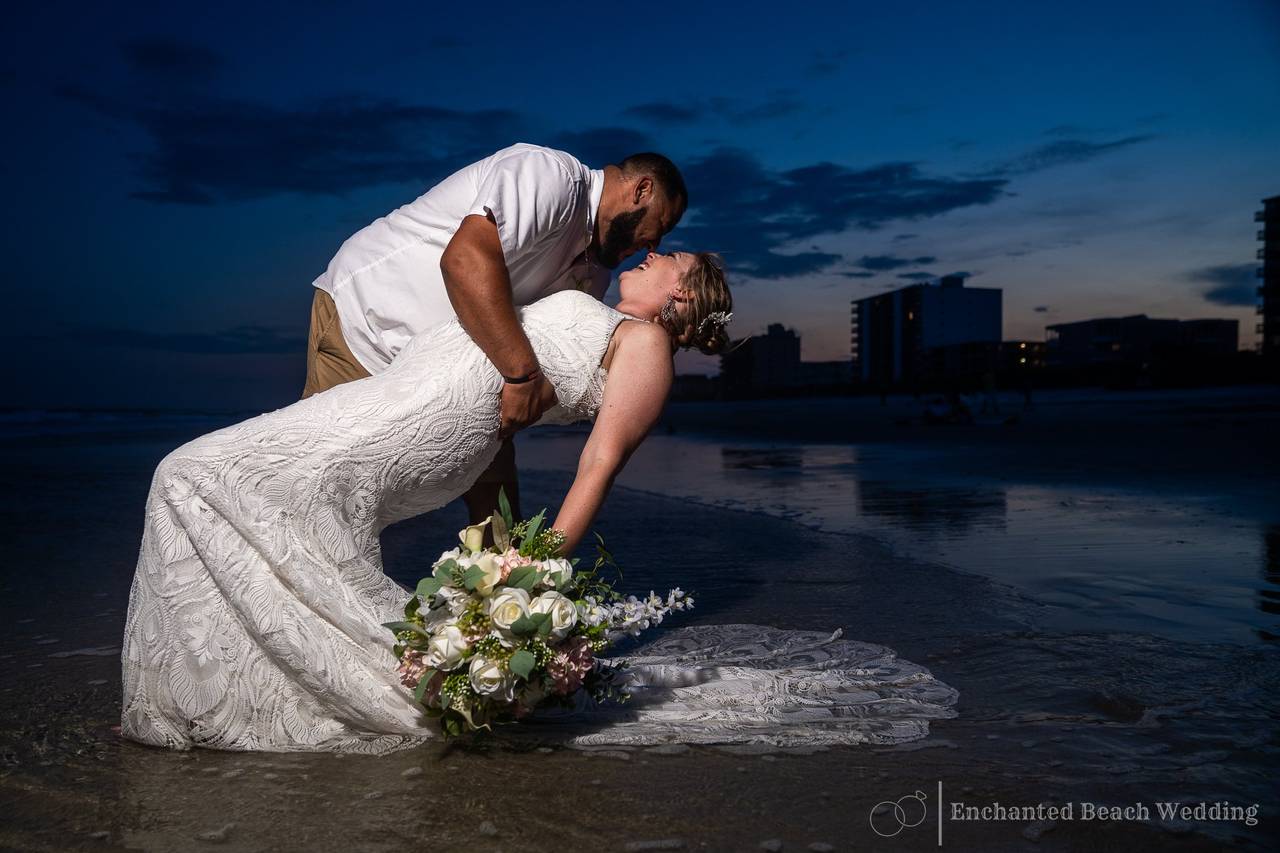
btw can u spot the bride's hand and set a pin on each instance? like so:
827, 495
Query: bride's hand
524, 403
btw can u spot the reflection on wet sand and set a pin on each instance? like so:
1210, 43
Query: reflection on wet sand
1269, 592
948, 511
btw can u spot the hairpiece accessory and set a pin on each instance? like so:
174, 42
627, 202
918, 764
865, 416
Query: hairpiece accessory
719, 318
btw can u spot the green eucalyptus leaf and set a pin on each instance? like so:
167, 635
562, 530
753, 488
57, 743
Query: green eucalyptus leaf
404, 626
521, 663
428, 587
519, 574
527, 581
471, 577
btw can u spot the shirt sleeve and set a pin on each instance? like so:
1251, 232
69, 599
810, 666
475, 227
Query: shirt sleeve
531, 196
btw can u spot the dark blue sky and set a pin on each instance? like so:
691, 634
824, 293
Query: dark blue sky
177, 177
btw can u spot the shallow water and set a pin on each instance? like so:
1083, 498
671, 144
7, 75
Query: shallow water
1188, 562
1108, 639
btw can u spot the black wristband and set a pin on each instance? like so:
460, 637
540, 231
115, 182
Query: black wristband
520, 380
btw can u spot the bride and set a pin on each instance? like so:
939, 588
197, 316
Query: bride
256, 609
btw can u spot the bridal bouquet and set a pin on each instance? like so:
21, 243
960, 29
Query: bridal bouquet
494, 632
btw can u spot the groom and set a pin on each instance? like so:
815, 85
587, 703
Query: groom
505, 231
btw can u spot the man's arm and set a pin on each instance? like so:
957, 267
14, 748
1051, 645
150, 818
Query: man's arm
479, 287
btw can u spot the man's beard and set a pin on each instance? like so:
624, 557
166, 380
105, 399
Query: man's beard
620, 237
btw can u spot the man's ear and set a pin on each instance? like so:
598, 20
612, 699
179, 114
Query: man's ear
643, 190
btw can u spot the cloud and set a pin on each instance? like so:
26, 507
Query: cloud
882, 263
1230, 284
238, 340
917, 276
171, 58
901, 237
1061, 153
206, 149
858, 274
602, 145
752, 215
1041, 309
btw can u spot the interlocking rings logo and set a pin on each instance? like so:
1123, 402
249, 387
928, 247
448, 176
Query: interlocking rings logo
890, 817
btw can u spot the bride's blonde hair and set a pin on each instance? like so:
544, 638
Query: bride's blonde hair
702, 323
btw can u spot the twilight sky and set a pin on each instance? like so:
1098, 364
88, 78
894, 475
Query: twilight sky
177, 177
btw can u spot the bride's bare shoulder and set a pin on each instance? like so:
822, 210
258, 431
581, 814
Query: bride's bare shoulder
642, 333
640, 340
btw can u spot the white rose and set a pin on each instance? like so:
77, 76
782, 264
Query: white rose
473, 537
491, 564
506, 607
559, 571
491, 678
445, 648
564, 615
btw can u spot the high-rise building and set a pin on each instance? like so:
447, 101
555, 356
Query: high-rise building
769, 365
895, 336
1269, 273
762, 364
1137, 340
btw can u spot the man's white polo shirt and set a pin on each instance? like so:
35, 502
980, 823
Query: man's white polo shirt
386, 280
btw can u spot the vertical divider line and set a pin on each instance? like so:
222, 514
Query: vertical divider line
939, 812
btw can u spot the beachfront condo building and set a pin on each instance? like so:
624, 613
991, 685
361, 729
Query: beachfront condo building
1138, 342
1269, 286
769, 365
895, 337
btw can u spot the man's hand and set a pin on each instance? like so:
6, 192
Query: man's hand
524, 403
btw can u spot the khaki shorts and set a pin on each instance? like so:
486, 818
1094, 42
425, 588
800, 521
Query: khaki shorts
329, 359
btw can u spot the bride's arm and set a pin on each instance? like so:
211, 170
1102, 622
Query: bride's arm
637, 387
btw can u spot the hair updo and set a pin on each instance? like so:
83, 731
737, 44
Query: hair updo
706, 293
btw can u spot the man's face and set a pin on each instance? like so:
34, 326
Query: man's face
642, 225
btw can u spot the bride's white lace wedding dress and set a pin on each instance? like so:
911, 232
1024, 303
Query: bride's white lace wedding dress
255, 614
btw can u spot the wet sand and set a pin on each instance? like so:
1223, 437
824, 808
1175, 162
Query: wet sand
1044, 715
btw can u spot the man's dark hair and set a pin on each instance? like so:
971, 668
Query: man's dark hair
663, 171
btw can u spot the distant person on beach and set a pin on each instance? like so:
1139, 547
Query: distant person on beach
503, 232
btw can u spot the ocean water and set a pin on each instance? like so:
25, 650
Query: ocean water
1111, 635
1195, 560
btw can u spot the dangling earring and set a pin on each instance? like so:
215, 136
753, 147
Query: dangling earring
668, 313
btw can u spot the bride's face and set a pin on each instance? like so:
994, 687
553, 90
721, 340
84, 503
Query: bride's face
645, 289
